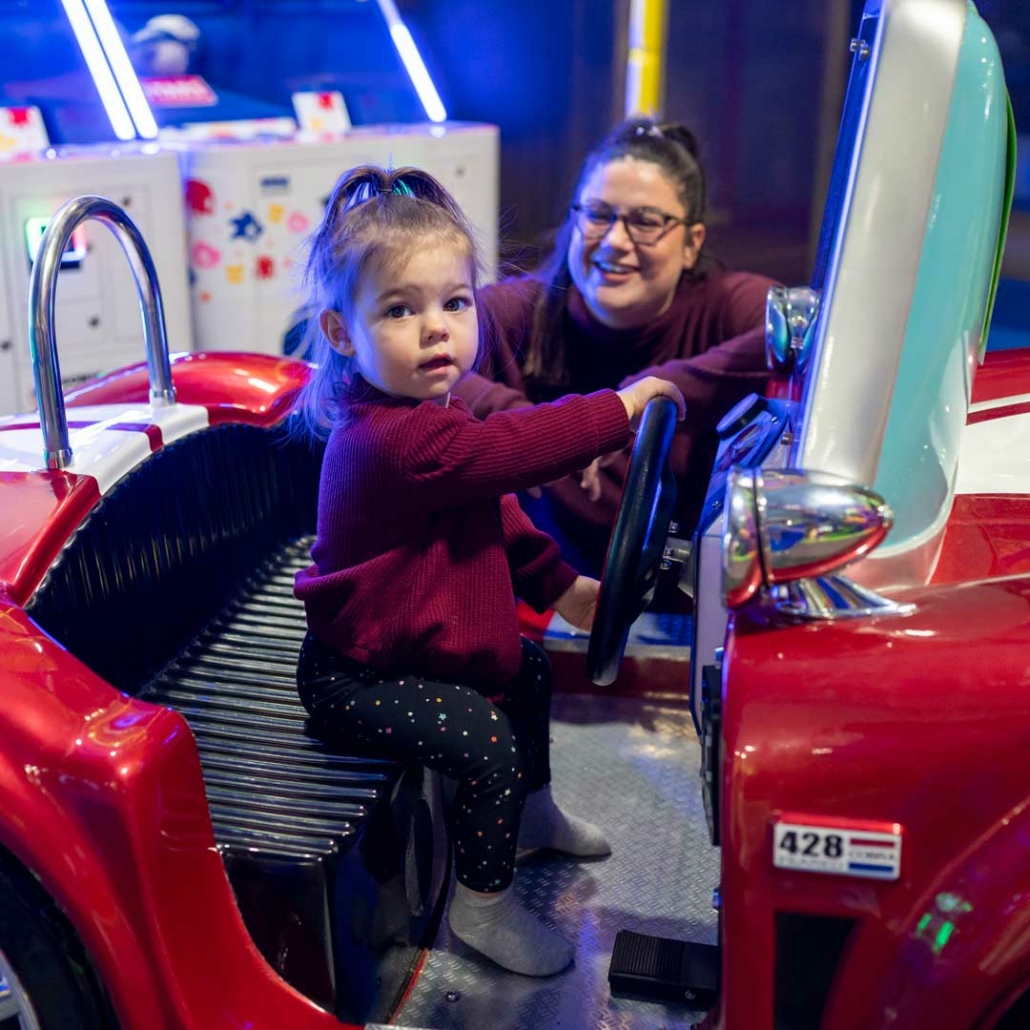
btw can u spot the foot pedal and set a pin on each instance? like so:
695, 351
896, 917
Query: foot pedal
656, 967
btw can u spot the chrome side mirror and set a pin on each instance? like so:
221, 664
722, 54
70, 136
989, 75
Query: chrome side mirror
790, 314
785, 527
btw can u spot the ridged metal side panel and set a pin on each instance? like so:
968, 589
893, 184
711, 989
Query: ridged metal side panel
311, 835
268, 782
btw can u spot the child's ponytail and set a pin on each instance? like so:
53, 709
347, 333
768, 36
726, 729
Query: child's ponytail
374, 217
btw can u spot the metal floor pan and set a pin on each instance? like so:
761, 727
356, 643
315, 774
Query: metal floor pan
632, 767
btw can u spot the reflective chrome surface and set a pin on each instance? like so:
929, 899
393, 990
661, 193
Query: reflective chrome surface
42, 295
832, 597
787, 526
790, 314
861, 48
14, 1002
813, 522
680, 553
741, 549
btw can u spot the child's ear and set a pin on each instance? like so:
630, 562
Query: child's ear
335, 330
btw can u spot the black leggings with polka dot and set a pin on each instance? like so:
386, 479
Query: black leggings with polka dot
498, 750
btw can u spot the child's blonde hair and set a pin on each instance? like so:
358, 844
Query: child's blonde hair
374, 219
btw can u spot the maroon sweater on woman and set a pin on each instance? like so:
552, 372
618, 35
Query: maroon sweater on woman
417, 550
710, 343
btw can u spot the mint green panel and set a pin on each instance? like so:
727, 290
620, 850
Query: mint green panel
919, 459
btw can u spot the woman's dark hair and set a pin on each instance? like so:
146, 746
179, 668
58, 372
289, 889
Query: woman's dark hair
674, 149
374, 219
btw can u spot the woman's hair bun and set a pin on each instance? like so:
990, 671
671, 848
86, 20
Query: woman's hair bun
682, 135
671, 132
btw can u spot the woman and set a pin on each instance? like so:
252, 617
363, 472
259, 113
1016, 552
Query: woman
626, 293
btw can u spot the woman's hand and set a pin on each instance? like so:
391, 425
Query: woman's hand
578, 603
636, 395
590, 477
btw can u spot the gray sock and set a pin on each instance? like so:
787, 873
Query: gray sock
545, 825
497, 926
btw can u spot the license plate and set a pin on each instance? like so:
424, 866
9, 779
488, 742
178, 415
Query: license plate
841, 850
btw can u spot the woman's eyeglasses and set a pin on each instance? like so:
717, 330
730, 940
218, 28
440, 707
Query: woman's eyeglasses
643, 224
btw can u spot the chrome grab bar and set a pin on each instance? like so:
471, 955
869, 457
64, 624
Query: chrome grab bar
46, 369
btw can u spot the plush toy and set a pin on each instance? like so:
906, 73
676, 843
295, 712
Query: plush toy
166, 45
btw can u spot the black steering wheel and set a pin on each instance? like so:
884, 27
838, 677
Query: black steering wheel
637, 542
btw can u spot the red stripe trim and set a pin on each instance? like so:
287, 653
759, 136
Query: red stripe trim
72, 424
1004, 373
153, 432
1003, 411
861, 842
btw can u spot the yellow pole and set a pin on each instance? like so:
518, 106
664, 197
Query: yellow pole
645, 85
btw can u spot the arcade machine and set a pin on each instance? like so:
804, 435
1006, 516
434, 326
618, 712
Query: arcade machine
70, 125
256, 181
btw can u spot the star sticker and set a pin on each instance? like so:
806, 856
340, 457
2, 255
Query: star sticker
246, 227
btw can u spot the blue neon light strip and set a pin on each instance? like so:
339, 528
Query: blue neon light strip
124, 73
413, 62
114, 105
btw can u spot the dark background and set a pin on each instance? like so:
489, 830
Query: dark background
761, 84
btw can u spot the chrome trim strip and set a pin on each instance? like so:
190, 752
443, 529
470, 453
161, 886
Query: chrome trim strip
829, 598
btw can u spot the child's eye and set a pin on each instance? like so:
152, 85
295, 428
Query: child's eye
398, 311
457, 304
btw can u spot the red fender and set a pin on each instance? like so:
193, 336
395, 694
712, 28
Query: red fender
971, 926
920, 720
104, 802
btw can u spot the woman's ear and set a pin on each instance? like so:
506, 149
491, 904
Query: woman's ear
335, 331
695, 241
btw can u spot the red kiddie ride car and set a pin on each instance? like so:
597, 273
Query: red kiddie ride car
176, 851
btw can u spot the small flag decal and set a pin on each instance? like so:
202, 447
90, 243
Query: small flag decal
844, 849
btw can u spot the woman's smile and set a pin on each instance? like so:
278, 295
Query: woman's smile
627, 284
614, 271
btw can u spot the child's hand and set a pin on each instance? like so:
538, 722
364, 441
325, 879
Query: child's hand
636, 396
578, 603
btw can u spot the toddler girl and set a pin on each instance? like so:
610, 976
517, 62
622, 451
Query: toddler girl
413, 647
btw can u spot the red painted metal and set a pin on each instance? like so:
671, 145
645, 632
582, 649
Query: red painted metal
38, 512
103, 796
885, 719
254, 388
1002, 411
881, 720
987, 535
103, 800
1004, 373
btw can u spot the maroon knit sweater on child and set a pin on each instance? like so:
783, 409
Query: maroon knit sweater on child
419, 556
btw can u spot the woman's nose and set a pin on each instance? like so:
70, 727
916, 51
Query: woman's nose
617, 234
